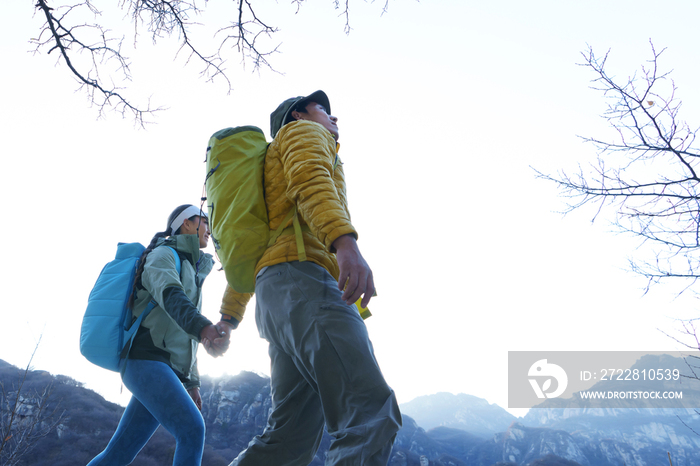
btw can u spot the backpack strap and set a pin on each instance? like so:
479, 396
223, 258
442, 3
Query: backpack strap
295, 230
131, 331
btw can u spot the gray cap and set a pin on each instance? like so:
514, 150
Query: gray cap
283, 113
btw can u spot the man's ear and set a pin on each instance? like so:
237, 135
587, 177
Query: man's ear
296, 115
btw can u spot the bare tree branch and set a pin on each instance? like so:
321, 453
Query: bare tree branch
164, 18
63, 31
56, 35
245, 34
648, 175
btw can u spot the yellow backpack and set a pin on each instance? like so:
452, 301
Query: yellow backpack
236, 204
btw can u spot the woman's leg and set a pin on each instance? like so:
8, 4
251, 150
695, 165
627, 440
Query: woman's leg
158, 398
135, 428
157, 387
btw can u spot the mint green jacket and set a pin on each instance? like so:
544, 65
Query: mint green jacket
160, 337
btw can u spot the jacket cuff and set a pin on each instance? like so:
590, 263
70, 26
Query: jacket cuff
199, 325
230, 320
189, 385
337, 233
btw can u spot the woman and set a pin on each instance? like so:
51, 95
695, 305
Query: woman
161, 368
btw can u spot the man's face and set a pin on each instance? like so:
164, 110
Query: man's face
316, 112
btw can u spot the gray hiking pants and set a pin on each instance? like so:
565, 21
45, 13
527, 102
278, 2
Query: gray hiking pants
323, 370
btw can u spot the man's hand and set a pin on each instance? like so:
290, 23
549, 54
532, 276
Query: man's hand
215, 339
196, 397
355, 274
225, 328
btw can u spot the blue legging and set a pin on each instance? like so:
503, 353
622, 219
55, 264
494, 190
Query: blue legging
158, 397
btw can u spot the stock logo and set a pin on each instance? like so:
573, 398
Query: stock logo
542, 369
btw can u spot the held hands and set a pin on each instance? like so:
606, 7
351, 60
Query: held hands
216, 338
355, 273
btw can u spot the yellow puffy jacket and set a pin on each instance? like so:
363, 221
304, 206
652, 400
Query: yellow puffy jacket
302, 168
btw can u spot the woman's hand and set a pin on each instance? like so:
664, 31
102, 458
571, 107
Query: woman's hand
215, 340
196, 397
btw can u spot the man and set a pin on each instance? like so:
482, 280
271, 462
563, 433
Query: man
323, 368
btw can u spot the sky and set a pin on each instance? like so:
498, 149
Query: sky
444, 109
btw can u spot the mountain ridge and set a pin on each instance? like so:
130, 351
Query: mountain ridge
235, 409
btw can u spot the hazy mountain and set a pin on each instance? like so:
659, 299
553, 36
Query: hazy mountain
235, 409
588, 436
465, 412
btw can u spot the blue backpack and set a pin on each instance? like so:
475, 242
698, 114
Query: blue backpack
107, 331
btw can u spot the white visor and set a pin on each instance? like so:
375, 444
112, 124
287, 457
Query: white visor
191, 211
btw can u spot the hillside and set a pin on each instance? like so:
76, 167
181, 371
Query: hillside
80, 423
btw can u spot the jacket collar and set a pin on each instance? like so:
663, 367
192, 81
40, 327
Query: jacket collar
188, 248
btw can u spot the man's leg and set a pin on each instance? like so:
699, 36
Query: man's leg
300, 310
295, 426
361, 411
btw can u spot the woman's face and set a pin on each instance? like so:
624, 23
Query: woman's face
190, 227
